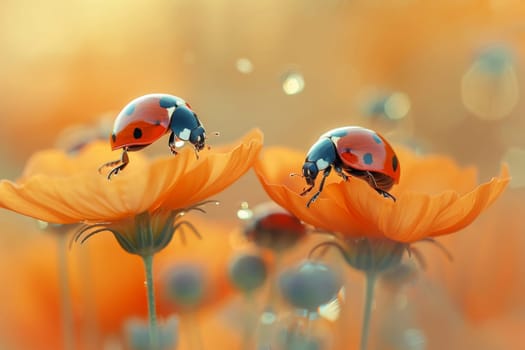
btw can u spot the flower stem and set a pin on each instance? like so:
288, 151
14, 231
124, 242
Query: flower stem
152, 312
369, 298
66, 307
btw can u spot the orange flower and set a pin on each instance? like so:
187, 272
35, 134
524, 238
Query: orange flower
149, 195
355, 210
62, 189
376, 231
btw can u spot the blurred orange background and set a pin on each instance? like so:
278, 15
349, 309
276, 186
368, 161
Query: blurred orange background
442, 77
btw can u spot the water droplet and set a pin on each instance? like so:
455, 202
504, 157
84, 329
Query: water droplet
244, 213
42, 224
293, 83
244, 65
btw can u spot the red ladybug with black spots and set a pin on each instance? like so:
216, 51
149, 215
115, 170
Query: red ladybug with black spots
273, 227
352, 151
146, 119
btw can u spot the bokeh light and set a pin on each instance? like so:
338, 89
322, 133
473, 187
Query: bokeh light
443, 77
293, 83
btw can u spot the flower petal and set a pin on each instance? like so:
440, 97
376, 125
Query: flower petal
331, 211
214, 172
57, 162
467, 208
70, 189
432, 174
417, 216
414, 214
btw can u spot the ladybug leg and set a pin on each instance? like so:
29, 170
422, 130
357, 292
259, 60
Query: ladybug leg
123, 161
339, 171
326, 172
196, 152
171, 143
373, 183
306, 190
385, 194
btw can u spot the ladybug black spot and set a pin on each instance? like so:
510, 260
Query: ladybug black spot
137, 133
368, 159
395, 162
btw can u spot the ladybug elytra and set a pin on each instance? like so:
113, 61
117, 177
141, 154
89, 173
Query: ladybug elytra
352, 151
146, 119
274, 227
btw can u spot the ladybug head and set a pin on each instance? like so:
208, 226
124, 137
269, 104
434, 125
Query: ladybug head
310, 171
186, 126
198, 137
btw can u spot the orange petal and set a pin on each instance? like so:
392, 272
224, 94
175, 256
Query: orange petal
330, 211
56, 162
417, 216
432, 174
469, 206
74, 191
215, 172
414, 214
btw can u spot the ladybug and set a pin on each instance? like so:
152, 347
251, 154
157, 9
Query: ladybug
352, 151
273, 227
147, 118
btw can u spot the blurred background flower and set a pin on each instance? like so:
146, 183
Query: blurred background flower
441, 77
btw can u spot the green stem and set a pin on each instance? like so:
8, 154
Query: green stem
66, 307
369, 298
152, 312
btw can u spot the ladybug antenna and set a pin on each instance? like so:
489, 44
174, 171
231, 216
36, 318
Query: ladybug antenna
215, 133
296, 174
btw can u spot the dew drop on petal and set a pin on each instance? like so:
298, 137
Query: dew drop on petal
244, 65
293, 83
